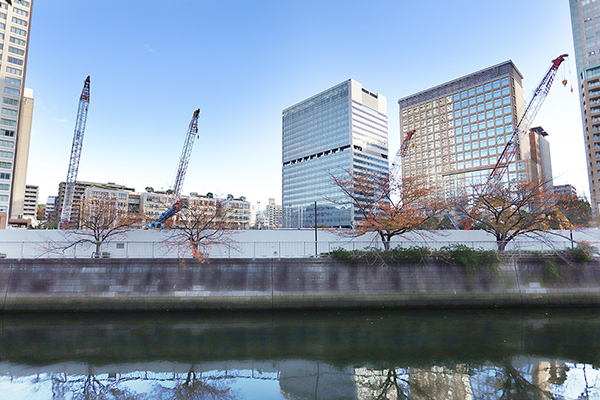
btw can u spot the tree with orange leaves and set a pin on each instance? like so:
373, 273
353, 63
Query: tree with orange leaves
388, 205
508, 211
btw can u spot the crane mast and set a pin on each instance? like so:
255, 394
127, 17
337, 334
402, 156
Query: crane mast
181, 171
401, 153
82, 111
532, 107
186, 153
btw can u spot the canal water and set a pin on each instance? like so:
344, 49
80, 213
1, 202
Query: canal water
442, 354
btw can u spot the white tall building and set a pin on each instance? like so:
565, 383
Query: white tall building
342, 128
14, 40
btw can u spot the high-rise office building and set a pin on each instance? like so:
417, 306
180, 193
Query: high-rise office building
585, 17
461, 128
14, 36
343, 128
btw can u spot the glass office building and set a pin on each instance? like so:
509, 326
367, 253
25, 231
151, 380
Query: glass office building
341, 129
462, 127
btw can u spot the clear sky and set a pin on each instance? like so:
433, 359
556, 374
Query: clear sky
152, 63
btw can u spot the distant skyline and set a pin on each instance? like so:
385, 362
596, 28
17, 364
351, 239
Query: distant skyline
153, 63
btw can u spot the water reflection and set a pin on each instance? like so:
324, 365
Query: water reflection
501, 354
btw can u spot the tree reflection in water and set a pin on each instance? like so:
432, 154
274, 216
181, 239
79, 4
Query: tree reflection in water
117, 387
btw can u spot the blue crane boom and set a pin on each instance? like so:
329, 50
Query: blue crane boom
82, 111
184, 160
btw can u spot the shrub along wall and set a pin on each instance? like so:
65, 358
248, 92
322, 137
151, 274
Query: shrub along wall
327, 282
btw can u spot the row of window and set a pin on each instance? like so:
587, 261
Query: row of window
4, 175
12, 70
6, 165
6, 143
14, 60
6, 154
7, 132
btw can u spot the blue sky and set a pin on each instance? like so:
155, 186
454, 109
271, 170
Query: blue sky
153, 63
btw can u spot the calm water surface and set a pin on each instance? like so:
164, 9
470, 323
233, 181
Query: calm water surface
466, 354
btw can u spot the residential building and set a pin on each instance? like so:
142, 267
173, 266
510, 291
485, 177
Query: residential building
274, 214
50, 206
343, 128
153, 204
565, 190
586, 38
21, 158
462, 127
31, 202
14, 34
80, 187
28, 207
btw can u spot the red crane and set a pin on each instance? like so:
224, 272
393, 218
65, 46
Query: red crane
532, 107
82, 111
401, 153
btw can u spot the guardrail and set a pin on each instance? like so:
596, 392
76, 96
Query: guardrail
165, 249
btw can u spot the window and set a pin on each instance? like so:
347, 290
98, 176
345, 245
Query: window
12, 81
7, 143
496, 84
497, 93
19, 21
22, 3
8, 90
6, 165
468, 146
4, 186
468, 164
4, 176
8, 111
489, 114
471, 92
463, 94
479, 89
506, 100
8, 122
6, 132
15, 61
499, 131
488, 96
12, 70
14, 50
487, 87
484, 152
20, 12
6, 154
18, 31
14, 40
504, 81
12, 102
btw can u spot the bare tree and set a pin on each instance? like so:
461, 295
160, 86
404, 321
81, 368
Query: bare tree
103, 218
388, 205
201, 223
508, 211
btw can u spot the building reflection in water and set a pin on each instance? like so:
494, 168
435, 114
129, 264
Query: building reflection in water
332, 356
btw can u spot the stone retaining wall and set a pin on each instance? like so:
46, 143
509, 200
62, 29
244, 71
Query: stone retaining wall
152, 284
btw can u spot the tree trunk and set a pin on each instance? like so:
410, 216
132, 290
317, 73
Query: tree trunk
97, 253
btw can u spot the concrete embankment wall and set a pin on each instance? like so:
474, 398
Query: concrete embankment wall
158, 284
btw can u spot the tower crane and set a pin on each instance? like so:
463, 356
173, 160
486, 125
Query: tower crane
532, 107
82, 111
401, 153
184, 160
